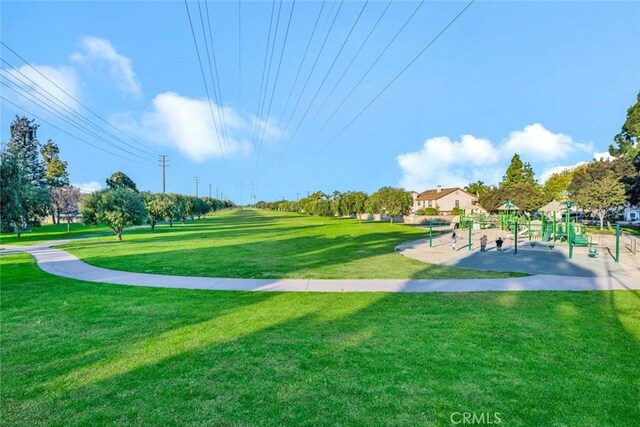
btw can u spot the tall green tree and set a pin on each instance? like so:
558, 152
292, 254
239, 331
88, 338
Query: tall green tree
629, 136
25, 146
158, 208
121, 180
56, 174
117, 208
518, 172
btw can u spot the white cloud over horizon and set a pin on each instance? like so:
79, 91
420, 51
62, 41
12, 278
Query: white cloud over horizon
186, 124
442, 161
88, 187
41, 89
98, 50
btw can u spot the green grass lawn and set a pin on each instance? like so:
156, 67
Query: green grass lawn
76, 353
51, 232
264, 244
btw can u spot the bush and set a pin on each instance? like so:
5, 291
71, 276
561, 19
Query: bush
428, 211
455, 211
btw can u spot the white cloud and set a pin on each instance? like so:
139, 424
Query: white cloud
443, 161
557, 169
97, 50
88, 187
603, 156
457, 163
186, 124
42, 89
535, 142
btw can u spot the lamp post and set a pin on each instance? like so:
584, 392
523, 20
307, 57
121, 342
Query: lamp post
430, 233
515, 238
470, 225
568, 205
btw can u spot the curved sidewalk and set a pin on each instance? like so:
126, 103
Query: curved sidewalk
61, 263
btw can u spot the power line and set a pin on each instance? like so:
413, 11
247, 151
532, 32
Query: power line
344, 100
266, 86
324, 79
264, 66
68, 133
284, 45
313, 67
51, 98
39, 103
206, 87
71, 96
362, 45
215, 66
304, 56
415, 58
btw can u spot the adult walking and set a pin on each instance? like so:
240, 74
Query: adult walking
483, 243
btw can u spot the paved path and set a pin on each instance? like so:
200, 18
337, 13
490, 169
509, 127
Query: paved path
61, 263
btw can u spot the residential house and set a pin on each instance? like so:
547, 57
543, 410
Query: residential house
445, 200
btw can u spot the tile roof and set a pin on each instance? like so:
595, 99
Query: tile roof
435, 195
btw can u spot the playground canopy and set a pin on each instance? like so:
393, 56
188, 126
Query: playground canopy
508, 206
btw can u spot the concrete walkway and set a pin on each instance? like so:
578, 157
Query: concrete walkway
61, 263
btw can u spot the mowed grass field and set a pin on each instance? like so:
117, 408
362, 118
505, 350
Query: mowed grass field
77, 353
263, 244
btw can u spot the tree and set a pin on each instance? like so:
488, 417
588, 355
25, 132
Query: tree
557, 185
121, 180
493, 198
601, 195
322, 207
477, 188
525, 195
518, 172
117, 208
373, 205
25, 146
158, 208
354, 202
394, 201
65, 201
56, 174
627, 139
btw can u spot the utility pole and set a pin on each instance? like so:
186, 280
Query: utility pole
197, 184
163, 165
209, 190
217, 193
297, 197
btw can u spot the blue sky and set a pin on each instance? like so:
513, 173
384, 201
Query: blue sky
549, 80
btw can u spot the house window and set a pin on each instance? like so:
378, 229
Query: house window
457, 203
430, 203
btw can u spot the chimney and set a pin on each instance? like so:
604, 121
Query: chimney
438, 188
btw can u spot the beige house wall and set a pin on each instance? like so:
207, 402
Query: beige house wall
448, 202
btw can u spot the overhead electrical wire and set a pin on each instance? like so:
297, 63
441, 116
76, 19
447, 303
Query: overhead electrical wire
204, 80
304, 56
264, 66
215, 66
389, 43
266, 85
324, 79
397, 76
313, 67
275, 84
51, 98
24, 94
74, 98
353, 58
70, 134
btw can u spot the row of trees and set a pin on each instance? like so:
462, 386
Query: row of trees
121, 205
387, 200
34, 180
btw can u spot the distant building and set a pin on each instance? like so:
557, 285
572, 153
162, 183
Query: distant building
445, 200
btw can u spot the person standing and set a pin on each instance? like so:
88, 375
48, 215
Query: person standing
499, 243
454, 239
483, 243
